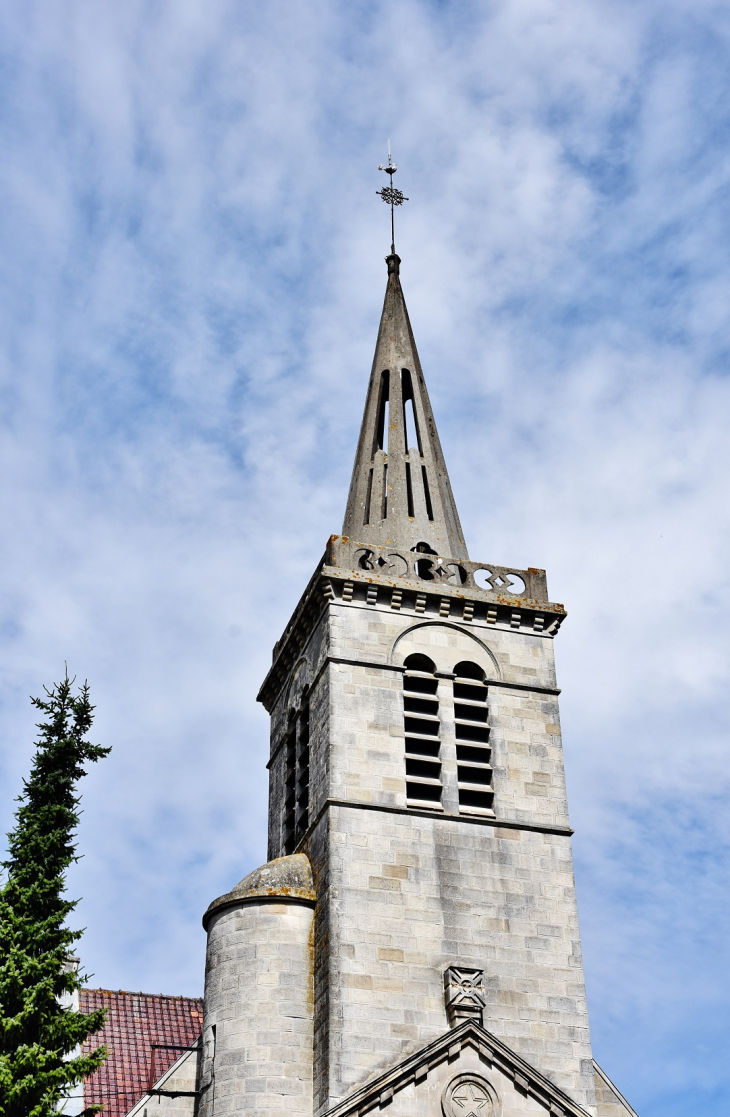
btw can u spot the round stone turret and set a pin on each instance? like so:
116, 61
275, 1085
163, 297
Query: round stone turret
257, 1026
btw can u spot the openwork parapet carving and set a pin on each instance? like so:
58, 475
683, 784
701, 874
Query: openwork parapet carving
422, 564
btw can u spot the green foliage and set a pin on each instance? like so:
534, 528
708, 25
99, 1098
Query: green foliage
37, 1032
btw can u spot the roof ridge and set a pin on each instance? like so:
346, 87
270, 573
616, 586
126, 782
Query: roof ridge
139, 993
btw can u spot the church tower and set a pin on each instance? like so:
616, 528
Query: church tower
412, 945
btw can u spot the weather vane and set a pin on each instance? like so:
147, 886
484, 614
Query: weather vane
392, 196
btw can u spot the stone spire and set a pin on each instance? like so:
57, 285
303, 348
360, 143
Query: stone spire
400, 493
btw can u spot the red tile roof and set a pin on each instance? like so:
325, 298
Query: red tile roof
136, 1021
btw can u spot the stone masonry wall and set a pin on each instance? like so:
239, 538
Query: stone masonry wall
410, 895
357, 738
257, 1040
404, 893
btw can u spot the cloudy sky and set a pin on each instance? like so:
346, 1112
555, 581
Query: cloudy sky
192, 274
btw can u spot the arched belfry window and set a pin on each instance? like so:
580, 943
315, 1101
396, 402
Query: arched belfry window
296, 776
473, 749
422, 733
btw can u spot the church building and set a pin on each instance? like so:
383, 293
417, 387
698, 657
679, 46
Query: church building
411, 947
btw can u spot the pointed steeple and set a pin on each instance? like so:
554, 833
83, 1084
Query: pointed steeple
400, 493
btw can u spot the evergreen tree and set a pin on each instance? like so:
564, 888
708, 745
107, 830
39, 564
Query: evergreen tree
38, 1034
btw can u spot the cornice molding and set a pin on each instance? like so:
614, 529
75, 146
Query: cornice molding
437, 816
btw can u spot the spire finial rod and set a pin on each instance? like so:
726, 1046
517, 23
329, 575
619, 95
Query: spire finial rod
392, 196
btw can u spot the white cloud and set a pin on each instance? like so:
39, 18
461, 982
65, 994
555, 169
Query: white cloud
190, 292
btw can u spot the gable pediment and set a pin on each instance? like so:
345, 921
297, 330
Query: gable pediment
467, 1072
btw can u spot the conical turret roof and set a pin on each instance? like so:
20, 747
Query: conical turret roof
400, 494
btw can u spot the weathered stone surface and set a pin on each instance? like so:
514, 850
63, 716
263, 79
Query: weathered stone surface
408, 897
403, 894
285, 877
401, 491
257, 1029
610, 1102
466, 1073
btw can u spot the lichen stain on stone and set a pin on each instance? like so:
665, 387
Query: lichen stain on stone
284, 878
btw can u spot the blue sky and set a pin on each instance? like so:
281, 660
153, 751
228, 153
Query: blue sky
192, 274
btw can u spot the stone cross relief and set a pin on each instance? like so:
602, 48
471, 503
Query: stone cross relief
464, 994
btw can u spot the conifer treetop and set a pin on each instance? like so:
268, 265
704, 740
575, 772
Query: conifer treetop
40, 1036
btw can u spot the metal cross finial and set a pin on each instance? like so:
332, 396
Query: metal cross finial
392, 196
